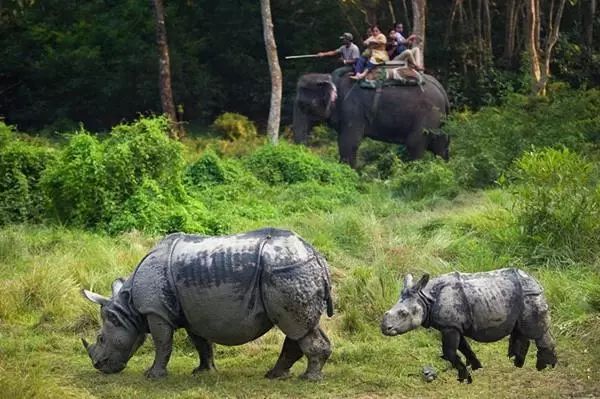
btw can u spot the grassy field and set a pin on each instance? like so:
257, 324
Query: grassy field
369, 246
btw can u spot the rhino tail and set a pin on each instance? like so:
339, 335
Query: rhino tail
327, 281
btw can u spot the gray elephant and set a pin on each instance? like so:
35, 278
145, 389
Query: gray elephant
227, 290
409, 115
484, 306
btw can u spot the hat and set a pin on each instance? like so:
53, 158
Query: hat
347, 36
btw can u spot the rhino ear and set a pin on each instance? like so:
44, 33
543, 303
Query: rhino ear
422, 283
408, 283
96, 298
116, 286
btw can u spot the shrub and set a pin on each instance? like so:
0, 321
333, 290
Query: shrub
484, 144
288, 164
378, 159
21, 166
234, 126
557, 204
131, 180
420, 179
211, 170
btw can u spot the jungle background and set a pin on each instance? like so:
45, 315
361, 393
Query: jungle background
90, 180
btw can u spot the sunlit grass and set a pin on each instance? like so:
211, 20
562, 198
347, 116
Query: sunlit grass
369, 245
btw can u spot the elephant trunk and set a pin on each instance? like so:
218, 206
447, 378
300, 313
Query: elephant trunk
301, 126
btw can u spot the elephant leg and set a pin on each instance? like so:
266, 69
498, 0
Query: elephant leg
416, 146
290, 354
348, 143
205, 352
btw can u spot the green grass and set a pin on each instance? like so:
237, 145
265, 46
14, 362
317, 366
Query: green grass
369, 244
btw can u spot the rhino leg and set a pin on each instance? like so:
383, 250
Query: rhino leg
534, 323
450, 343
466, 350
546, 356
317, 348
205, 352
290, 353
518, 346
162, 336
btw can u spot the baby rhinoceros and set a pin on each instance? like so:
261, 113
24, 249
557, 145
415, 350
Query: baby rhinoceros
484, 306
227, 290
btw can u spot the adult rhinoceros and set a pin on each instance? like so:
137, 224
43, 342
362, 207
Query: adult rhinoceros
409, 115
227, 290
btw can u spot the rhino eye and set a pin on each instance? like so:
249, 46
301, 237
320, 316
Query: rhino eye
100, 339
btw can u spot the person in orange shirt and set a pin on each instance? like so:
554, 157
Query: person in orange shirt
376, 43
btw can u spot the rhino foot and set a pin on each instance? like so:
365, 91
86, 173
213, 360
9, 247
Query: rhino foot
203, 370
155, 374
545, 357
464, 376
475, 364
277, 374
314, 376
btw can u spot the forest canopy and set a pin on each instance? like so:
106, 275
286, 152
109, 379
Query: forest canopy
65, 62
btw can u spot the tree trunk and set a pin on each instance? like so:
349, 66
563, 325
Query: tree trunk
274, 69
512, 15
540, 59
419, 25
487, 29
588, 25
164, 70
407, 23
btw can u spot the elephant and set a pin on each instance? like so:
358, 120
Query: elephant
409, 115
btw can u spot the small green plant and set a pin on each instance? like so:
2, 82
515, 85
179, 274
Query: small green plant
557, 204
234, 126
419, 180
289, 164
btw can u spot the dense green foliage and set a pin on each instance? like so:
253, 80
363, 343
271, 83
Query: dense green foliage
21, 165
484, 144
557, 205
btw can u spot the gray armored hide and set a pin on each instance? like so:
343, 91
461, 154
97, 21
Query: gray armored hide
484, 306
227, 290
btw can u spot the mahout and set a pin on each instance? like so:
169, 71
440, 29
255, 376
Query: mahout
485, 306
227, 290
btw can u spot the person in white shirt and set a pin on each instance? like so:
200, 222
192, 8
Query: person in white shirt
348, 51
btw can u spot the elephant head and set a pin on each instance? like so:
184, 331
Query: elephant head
315, 101
438, 144
121, 334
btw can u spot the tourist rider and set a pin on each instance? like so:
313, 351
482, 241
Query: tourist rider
378, 55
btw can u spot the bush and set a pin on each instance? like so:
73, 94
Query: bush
234, 126
211, 170
484, 144
289, 164
557, 204
21, 167
421, 179
131, 180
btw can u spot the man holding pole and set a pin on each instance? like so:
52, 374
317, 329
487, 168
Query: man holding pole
348, 52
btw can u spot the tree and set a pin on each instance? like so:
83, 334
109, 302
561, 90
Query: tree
539, 56
419, 24
275, 71
164, 69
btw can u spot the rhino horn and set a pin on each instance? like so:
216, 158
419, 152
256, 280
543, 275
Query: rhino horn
96, 298
85, 344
